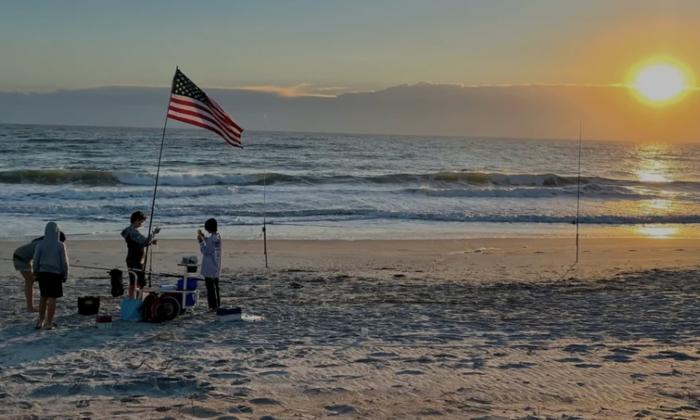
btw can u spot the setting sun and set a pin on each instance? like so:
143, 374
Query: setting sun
661, 82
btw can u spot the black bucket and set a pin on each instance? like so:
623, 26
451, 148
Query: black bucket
88, 305
117, 280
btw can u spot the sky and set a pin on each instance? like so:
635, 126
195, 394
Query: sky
327, 48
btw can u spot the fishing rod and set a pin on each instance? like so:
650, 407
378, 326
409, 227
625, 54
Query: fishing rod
89, 267
578, 189
92, 267
264, 227
578, 204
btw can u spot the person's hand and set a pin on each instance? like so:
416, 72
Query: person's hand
155, 242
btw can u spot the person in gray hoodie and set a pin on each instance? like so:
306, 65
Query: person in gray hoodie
50, 264
22, 260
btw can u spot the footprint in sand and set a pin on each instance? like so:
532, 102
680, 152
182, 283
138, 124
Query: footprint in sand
675, 355
587, 365
383, 354
240, 409
519, 365
201, 412
577, 348
569, 360
340, 409
25, 405
409, 372
618, 357
264, 401
274, 373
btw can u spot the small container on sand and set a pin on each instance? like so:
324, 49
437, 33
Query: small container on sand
228, 314
103, 321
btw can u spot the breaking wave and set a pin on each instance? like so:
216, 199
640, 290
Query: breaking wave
58, 177
439, 179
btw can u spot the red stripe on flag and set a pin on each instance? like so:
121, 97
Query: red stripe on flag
220, 110
233, 129
206, 126
201, 122
205, 117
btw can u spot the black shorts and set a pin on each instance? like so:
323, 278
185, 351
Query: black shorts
137, 276
50, 284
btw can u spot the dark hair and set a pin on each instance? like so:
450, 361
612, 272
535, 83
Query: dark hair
61, 236
137, 215
211, 225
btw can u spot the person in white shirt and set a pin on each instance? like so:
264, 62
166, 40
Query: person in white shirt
210, 246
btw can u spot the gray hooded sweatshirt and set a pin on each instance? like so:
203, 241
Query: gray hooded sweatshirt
50, 254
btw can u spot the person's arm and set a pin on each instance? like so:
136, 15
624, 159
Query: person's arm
206, 246
137, 237
64, 261
151, 240
221, 252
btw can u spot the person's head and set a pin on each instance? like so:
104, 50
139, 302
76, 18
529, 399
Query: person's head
137, 218
211, 226
51, 231
61, 236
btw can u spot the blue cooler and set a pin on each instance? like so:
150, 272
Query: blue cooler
190, 285
190, 299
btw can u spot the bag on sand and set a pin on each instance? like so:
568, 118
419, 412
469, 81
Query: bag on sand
131, 309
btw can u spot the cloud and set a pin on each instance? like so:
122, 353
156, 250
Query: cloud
299, 90
534, 111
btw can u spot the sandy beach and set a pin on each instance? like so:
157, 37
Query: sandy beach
480, 328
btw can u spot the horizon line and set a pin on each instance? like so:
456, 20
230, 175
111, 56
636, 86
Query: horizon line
456, 136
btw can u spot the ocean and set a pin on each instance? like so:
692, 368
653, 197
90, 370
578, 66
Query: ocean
339, 186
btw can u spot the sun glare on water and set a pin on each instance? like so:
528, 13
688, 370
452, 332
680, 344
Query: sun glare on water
660, 83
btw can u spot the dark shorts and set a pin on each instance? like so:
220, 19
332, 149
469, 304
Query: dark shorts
50, 285
137, 276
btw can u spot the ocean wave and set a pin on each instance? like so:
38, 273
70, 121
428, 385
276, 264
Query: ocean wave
277, 213
588, 191
58, 177
435, 179
89, 194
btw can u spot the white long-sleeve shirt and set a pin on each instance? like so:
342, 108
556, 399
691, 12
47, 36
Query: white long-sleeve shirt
211, 255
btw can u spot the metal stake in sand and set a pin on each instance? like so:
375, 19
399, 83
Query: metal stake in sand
155, 186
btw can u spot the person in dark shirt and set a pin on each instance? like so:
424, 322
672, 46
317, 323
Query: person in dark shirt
136, 245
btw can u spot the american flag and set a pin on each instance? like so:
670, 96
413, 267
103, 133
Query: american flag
189, 104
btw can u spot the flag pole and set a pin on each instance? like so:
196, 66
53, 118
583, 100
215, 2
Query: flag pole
578, 189
155, 187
